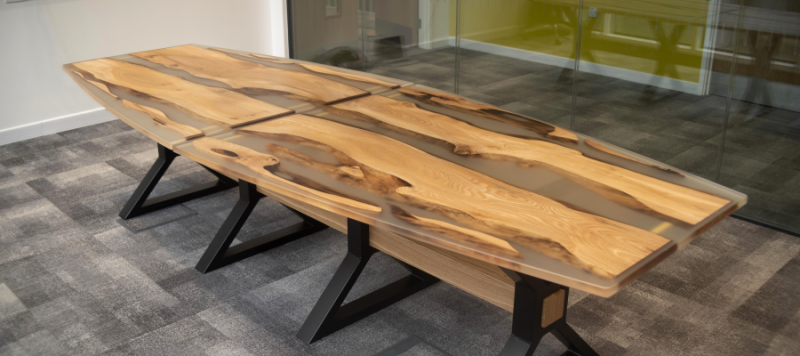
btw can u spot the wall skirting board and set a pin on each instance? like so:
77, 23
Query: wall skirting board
55, 125
588, 67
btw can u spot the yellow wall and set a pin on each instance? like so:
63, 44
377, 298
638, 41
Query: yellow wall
624, 34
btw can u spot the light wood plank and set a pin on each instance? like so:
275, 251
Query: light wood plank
241, 74
216, 105
632, 189
402, 173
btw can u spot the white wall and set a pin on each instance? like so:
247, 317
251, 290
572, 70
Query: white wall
435, 20
39, 36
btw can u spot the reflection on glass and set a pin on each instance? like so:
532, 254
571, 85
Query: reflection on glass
690, 83
519, 55
404, 39
411, 40
328, 32
762, 143
645, 77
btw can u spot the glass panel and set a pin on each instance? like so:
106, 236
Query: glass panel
519, 55
328, 32
762, 143
411, 40
654, 75
646, 76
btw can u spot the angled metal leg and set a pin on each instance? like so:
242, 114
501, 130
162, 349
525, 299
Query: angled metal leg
575, 342
329, 315
540, 307
138, 203
220, 253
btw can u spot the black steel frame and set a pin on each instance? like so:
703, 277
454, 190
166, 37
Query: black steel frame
329, 315
138, 203
526, 325
220, 253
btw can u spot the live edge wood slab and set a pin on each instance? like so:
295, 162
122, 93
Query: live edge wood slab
180, 93
450, 184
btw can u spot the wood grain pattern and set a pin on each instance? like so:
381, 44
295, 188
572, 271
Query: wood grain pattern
626, 187
405, 174
599, 147
156, 115
265, 165
472, 238
371, 180
553, 307
252, 76
490, 112
161, 119
215, 105
329, 71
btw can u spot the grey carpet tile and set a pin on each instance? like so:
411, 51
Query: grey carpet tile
555, 114
696, 160
96, 131
163, 216
15, 195
773, 177
10, 305
5, 173
41, 143
35, 227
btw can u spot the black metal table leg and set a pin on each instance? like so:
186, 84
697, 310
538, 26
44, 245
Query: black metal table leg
329, 315
540, 307
138, 203
219, 253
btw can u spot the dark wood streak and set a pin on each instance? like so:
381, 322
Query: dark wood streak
324, 70
469, 237
490, 112
341, 172
270, 166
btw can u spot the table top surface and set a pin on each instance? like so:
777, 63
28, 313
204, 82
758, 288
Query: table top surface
456, 173
184, 92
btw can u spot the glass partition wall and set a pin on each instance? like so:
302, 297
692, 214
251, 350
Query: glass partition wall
708, 86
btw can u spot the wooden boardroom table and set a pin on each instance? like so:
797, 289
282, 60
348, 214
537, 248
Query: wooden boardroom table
508, 208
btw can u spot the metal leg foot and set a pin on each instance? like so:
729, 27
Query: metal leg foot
138, 203
219, 253
540, 307
329, 315
574, 342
